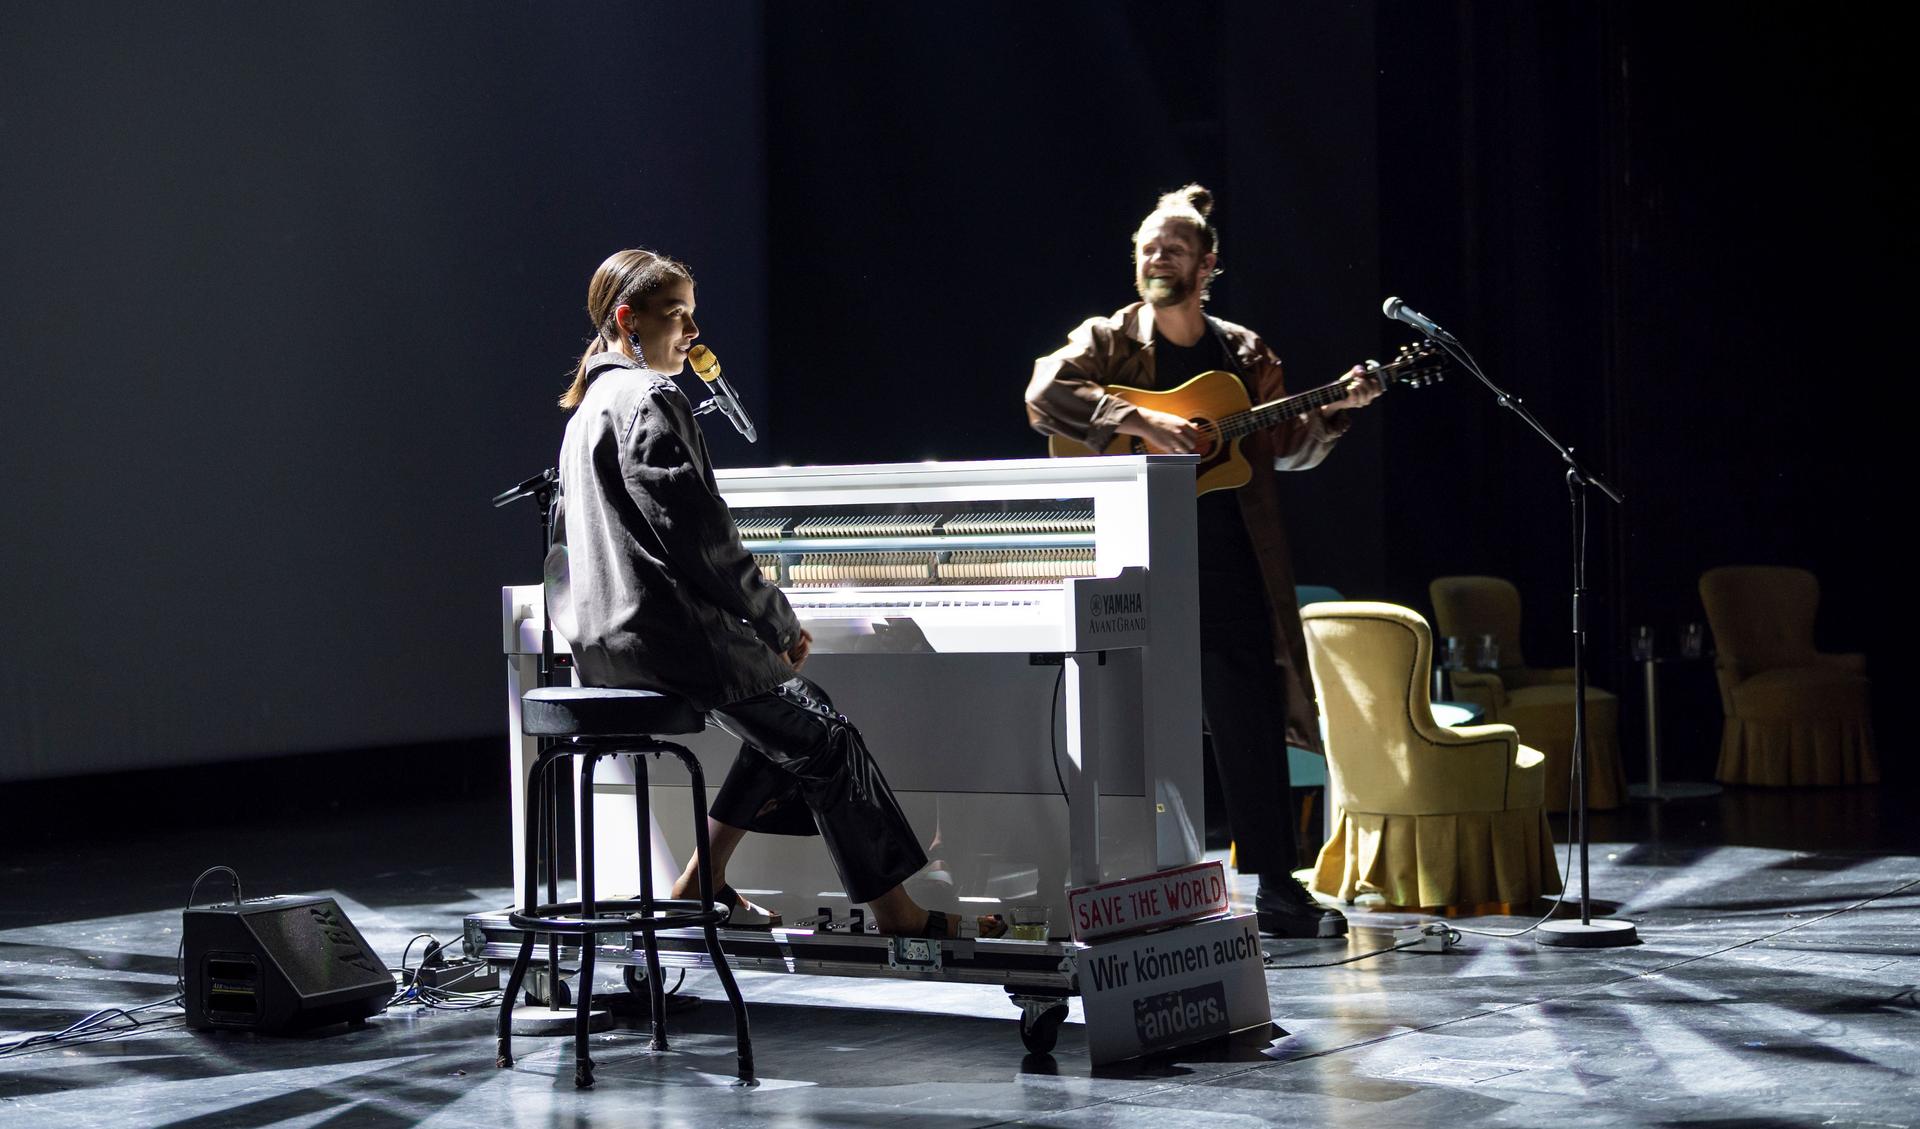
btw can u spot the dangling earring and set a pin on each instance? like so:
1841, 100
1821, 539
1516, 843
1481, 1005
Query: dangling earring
639, 354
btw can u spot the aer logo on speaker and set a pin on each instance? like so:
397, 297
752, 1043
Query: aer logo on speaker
336, 932
1186, 1015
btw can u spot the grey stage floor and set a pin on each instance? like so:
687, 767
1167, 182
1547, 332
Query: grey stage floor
1776, 985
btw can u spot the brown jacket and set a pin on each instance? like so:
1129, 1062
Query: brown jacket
1068, 396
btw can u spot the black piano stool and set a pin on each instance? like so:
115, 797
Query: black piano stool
592, 723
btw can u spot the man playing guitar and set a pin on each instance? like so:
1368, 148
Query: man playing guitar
1256, 695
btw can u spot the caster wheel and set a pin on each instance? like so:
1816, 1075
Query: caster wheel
635, 978
560, 996
1040, 1026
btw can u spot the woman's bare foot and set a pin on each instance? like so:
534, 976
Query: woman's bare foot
688, 885
743, 912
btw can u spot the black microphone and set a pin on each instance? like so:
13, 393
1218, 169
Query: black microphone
1397, 310
706, 366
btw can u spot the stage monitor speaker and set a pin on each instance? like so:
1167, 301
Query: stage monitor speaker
279, 964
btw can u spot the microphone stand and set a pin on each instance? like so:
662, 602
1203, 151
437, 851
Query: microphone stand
541, 488
740, 422
1589, 932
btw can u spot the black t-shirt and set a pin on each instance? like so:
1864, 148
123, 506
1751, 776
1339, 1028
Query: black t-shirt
1233, 594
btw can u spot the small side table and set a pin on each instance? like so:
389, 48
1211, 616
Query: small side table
1457, 713
1655, 788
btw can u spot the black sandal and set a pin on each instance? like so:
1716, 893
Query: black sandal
742, 913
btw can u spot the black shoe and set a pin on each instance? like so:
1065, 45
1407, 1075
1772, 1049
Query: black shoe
1287, 910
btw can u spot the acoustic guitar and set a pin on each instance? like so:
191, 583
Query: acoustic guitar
1218, 405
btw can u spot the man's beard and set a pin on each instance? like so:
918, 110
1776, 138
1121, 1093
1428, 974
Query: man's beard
1164, 292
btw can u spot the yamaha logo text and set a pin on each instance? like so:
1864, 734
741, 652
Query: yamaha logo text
1111, 613
1117, 603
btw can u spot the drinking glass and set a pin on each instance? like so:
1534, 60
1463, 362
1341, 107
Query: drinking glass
1027, 923
1487, 657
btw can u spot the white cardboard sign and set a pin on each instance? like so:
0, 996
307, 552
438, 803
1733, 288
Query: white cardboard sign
1183, 985
1150, 901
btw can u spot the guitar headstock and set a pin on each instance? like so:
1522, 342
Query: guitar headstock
1417, 364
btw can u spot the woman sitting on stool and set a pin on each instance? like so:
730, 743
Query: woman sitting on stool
663, 596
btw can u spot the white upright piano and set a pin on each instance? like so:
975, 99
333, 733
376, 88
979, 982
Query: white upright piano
1017, 640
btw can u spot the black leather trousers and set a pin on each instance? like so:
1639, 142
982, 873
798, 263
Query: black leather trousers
804, 770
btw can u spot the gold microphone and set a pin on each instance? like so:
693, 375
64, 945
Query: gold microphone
725, 400
706, 366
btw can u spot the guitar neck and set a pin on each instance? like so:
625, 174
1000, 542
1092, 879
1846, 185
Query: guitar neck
1279, 411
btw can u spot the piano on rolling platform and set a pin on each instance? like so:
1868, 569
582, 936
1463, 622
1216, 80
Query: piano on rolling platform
999, 632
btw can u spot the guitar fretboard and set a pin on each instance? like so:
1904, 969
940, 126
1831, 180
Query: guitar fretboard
1241, 424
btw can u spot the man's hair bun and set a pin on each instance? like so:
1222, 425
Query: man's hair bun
1192, 198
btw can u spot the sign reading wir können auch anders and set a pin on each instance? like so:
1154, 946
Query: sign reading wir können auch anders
1184, 983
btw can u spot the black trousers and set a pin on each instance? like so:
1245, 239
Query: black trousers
803, 769
1246, 717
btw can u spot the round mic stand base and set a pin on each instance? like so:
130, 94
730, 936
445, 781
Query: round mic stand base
1599, 933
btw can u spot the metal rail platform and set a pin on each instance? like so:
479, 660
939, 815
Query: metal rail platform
1038, 976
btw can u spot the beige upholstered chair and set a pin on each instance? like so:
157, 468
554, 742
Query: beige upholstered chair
1794, 715
1425, 815
1537, 702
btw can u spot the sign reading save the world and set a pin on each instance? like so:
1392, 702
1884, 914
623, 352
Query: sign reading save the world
1151, 901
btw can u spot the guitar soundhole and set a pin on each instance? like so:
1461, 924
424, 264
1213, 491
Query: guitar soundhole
1209, 447
1209, 444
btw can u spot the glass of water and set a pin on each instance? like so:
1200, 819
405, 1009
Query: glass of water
1027, 923
1487, 656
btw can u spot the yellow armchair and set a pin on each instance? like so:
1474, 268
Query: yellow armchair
1793, 714
1536, 701
1425, 815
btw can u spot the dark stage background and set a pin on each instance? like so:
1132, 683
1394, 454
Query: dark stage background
290, 293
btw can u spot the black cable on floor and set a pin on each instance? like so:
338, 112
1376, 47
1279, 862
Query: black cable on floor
1566, 869
436, 997
92, 1029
